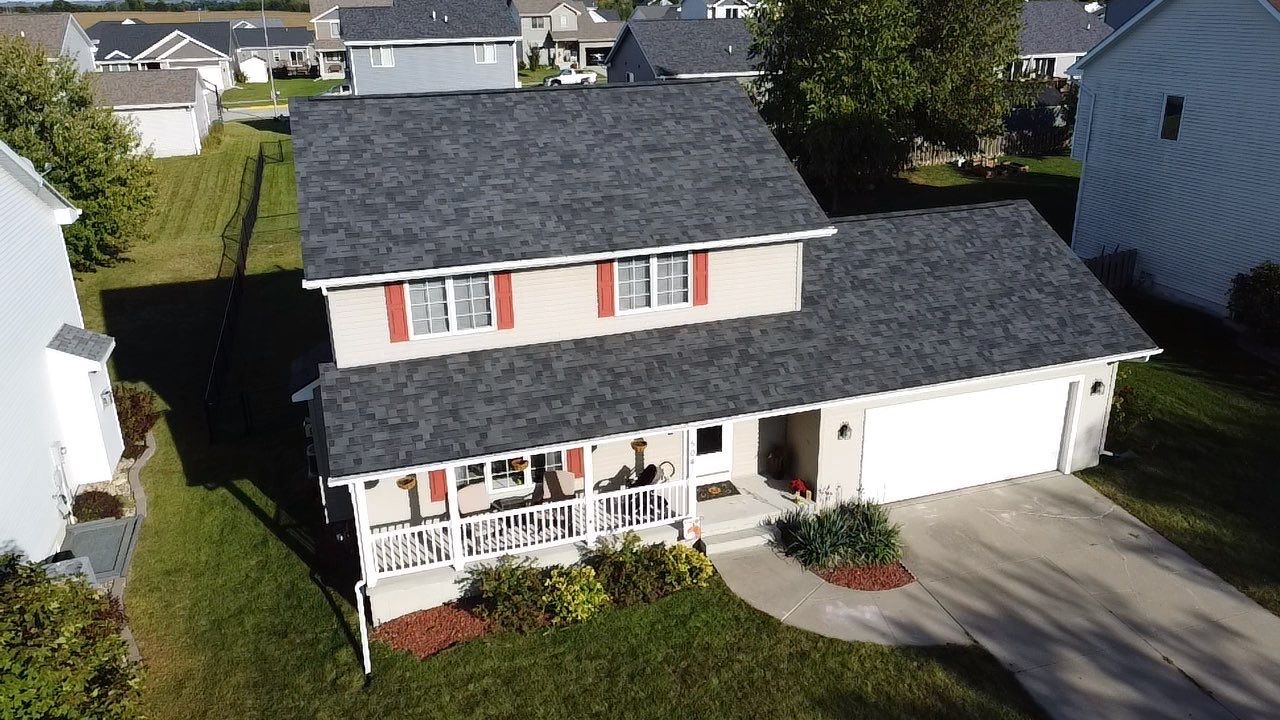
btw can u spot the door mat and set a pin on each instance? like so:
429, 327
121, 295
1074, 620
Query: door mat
717, 490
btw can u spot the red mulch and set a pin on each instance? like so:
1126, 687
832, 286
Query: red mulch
427, 632
869, 577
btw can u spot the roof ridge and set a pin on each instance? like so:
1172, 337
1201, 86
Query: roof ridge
511, 91
942, 210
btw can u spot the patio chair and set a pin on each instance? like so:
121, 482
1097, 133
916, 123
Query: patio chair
646, 477
559, 485
473, 499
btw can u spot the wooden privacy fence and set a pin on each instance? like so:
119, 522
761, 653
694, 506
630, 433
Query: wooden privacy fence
1045, 141
1115, 269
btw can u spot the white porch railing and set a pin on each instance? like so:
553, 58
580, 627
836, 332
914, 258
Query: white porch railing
642, 507
410, 549
523, 529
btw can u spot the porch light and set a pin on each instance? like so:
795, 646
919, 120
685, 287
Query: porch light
1098, 388
107, 398
845, 432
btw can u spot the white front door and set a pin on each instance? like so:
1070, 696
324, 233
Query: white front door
709, 452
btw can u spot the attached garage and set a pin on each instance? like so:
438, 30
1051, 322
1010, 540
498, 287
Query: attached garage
169, 109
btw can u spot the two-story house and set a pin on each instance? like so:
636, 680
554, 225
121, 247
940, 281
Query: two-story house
58, 425
520, 370
327, 28
680, 49
565, 32
57, 34
1178, 140
430, 45
1055, 34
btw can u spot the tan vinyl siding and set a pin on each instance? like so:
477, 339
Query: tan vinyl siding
613, 462
746, 448
560, 303
1202, 208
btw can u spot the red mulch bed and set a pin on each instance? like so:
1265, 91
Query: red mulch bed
427, 632
869, 577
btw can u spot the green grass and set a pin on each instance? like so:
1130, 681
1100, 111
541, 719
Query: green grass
257, 93
239, 603
1050, 184
535, 77
1206, 477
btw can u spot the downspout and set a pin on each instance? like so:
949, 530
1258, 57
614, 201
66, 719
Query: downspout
365, 659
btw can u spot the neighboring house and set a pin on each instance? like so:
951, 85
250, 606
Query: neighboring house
57, 34
330, 52
655, 12
170, 109
681, 49
1056, 33
430, 45
1177, 132
565, 32
245, 23
58, 425
1119, 12
717, 9
289, 49
484, 338
205, 46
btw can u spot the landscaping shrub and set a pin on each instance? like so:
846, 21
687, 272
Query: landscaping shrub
685, 567
855, 532
61, 654
1129, 411
573, 594
634, 573
510, 593
96, 505
138, 410
1254, 299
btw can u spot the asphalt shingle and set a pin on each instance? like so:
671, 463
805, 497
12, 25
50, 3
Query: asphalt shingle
681, 47
414, 20
1059, 27
43, 30
132, 39
82, 343
891, 302
147, 87
450, 179
276, 37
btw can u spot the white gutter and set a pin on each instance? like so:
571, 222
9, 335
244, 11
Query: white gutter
350, 480
432, 41
365, 658
704, 76
380, 278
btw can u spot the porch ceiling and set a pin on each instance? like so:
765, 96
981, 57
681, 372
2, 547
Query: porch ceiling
890, 302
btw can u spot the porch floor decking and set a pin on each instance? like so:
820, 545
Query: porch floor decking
760, 499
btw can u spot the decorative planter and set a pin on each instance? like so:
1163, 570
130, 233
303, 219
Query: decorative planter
519, 464
639, 444
408, 482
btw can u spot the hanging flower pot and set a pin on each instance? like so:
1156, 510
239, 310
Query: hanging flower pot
408, 482
519, 464
639, 444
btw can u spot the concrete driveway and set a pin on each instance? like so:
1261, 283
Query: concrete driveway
1097, 614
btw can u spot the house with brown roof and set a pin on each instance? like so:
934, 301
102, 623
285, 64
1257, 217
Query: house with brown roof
58, 34
565, 32
169, 109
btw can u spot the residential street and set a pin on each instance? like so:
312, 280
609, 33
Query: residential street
1096, 614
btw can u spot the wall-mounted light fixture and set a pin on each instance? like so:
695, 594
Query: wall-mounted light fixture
1098, 388
107, 398
845, 432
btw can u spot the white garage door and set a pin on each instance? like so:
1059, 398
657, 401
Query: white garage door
167, 131
932, 446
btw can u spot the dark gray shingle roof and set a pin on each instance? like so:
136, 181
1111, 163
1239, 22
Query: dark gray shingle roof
655, 12
133, 39
449, 179
1059, 26
82, 343
43, 30
275, 37
147, 87
679, 47
412, 20
891, 302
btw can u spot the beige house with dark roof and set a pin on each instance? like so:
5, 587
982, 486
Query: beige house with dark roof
565, 32
58, 34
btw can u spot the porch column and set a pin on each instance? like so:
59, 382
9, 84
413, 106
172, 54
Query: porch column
455, 529
364, 538
589, 493
691, 481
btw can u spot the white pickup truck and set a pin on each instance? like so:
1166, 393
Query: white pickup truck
570, 76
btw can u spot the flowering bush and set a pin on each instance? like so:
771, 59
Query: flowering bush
798, 487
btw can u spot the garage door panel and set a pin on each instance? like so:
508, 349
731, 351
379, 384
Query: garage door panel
931, 446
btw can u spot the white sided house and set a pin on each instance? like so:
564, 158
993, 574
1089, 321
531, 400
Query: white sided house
56, 34
516, 373
207, 47
58, 426
1055, 34
169, 109
1178, 141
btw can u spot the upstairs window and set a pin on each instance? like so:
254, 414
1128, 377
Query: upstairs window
564, 21
652, 282
382, 57
335, 27
445, 306
1171, 123
486, 54
540, 23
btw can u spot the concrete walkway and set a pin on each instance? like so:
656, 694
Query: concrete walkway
782, 588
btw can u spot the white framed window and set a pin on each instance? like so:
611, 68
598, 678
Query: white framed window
275, 55
382, 56
653, 282
297, 57
1046, 67
335, 27
1171, 121
501, 476
486, 54
540, 23
564, 21
631, 77
450, 306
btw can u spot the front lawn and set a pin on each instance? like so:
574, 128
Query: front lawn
240, 606
260, 93
1207, 475
535, 77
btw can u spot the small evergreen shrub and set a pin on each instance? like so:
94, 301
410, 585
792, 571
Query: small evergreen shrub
138, 410
510, 593
96, 505
1129, 411
855, 532
573, 594
61, 653
1254, 299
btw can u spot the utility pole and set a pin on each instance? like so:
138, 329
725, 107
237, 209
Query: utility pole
271, 75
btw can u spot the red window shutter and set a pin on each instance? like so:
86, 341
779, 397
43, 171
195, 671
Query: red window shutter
506, 307
701, 289
397, 320
573, 462
604, 287
436, 481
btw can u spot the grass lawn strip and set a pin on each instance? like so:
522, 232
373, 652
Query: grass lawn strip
260, 93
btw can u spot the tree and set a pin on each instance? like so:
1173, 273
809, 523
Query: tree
48, 114
61, 653
849, 86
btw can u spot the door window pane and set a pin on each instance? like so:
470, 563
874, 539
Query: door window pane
710, 439
504, 476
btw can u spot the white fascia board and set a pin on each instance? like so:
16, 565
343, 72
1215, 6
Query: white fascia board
704, 76
189, 39
381, 278
432, 41
25, 173
113, 53
153, 106
306, 392
888, 395
164, 55
321, 15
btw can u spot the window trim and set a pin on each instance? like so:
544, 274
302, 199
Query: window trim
450, 301
540, 22
376, 51
481, 51
653, 285
527, 472
1164, 107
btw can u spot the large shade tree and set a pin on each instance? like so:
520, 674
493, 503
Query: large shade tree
849, 86
48, 115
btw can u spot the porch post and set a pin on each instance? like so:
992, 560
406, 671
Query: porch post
455, 529
691, 482
589, 493
364, 538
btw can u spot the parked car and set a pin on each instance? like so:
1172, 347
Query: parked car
570, 76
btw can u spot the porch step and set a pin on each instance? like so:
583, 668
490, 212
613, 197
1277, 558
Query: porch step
723, 543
